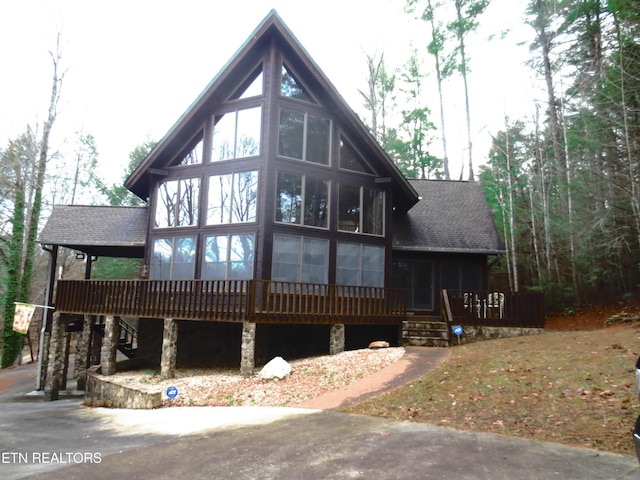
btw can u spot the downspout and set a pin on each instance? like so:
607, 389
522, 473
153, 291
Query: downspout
48, 312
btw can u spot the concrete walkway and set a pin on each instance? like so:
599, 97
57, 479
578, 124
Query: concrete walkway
63, 439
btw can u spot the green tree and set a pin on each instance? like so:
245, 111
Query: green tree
118, 194
24, 226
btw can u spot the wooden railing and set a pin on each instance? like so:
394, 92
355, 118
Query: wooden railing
232, 301
493, 309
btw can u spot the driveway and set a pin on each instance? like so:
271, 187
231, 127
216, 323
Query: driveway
50, 440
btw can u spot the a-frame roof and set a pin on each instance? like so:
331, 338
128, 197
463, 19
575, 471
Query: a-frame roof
451, 217
271, 29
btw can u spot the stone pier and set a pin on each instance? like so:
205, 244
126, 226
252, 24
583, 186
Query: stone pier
110, 345
248, 349
336, 339
55, 365
169, 356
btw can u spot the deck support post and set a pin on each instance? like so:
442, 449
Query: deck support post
336, 339
169, 357
248, 349
55, 365
82, 352
110, 345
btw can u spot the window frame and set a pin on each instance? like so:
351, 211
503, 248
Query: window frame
362, 209
303, 200
306, 113
175, 220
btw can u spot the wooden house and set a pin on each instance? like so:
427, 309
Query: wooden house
275, 225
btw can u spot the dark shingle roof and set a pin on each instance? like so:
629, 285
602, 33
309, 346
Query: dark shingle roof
98, 230
450, 217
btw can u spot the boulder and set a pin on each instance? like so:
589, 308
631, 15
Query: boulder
276, 368
378, 344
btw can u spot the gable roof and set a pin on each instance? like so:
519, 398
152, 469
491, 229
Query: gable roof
271, 29
452, 216
98, 230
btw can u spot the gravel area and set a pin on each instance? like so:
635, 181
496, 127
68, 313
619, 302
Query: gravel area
309, 378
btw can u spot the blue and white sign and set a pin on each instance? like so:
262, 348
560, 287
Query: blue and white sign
172, 392
457, 330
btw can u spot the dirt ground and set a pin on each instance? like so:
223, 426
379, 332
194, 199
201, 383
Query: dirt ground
591, 318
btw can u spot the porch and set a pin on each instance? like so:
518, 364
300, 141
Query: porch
253, 301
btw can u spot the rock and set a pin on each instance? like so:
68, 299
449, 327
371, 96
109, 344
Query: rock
378, 344
276, 368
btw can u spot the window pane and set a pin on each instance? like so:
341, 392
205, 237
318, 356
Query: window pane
223, 142
184, 256
290, 87
372, 266
289, 197
350, 160
373, 208
348, 264
245, 197
166, 201
316, 202
248, 134
253, 90
215, 258
241, 257
160, 268
219, 204
291, 134
318, 133
349, 208
189, 202
315, 261
194, 157
286, 258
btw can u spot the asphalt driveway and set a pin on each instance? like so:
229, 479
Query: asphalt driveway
50, 440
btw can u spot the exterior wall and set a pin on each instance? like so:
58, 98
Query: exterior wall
476, 262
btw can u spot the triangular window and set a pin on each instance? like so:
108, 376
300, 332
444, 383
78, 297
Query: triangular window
350, 160
290, 87
252, 87
193, 157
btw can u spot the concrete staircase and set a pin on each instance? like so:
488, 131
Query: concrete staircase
425, 331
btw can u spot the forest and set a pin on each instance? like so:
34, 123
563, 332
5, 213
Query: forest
563, 180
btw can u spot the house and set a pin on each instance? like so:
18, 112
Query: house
275, 224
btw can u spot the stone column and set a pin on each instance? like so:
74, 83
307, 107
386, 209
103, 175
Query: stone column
169, 356
110, 345
248, 349
336, 339
56, 359
82, 352
96, 343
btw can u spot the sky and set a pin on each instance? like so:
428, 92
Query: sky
132, 67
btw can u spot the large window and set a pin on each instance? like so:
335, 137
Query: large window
232, 198
173, 259
228, 257
236, 134
300, 259
416, 278
302, 200
361, 209
360, 264
177, 203
304, 136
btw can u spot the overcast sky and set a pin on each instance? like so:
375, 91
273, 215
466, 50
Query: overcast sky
132, 67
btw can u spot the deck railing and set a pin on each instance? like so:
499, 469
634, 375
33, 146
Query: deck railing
232, 301
493, 309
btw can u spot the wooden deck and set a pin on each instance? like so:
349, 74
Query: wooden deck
259, 301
